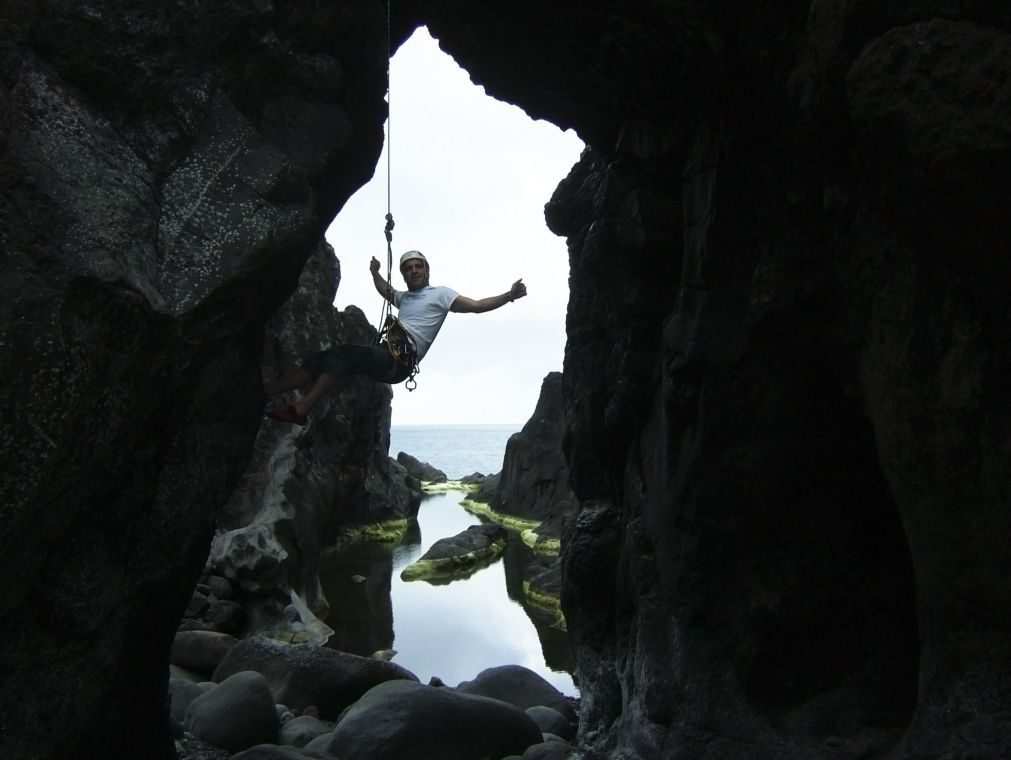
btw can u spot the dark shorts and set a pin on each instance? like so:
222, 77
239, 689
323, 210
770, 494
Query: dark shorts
342, 361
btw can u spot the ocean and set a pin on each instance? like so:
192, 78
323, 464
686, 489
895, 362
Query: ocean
457, 450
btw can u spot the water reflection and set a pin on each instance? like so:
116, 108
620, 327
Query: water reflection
451, 631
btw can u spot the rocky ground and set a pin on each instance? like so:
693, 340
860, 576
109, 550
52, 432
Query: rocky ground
265, 699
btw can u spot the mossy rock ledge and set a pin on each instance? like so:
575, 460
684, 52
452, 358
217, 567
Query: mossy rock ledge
512, 522
434, 487
384, 531
459, 556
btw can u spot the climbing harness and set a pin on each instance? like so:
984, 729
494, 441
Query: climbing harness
401, 348
390, 330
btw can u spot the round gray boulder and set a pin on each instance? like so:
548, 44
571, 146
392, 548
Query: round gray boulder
550, 750
236, 714
200, 651
299, 731
182, 692
518, 686
550, 721
274, 752
406, 719
301, 675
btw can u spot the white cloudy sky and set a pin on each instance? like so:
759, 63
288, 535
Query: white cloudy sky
470, 177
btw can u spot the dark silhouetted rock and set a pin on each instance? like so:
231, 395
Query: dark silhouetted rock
550, 721
421, 470
458, 556
301, 730
549, 750
534, 481
518, 686
236, 714
161, 194
181, 692
303, 675
275, 752
402, 719
200, 651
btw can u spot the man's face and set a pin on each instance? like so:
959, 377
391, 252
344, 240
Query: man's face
415, 274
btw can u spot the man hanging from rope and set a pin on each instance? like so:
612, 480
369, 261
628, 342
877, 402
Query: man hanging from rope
422, 310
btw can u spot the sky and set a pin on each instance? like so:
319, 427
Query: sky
469, 179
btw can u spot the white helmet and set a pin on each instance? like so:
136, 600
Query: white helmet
412, 255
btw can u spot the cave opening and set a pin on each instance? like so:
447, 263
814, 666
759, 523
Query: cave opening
466, 178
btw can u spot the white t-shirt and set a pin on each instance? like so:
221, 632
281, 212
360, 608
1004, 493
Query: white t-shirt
422, 313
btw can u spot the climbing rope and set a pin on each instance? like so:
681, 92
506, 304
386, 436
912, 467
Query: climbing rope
386, 319
387, 306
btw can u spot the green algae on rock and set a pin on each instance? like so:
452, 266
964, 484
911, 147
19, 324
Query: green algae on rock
387, 532
547, 603
511, 522
459, 556
449, 485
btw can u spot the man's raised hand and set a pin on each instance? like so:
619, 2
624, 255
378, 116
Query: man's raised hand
374, 265
518, 290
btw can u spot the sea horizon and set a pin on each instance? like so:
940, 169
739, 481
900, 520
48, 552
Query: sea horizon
516, 425
458, 449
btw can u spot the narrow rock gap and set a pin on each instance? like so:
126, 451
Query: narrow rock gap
469, 179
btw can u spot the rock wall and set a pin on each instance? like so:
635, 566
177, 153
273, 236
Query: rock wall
785, 381
304, 486
534, 482
165, 171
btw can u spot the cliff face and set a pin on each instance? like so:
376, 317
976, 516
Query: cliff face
785, 385
786, 373
534, 482
304, 485
167, 169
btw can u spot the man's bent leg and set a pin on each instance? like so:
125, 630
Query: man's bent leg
336, 363
294, 378
323, 385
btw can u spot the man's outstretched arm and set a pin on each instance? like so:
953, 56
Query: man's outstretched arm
382, 287
464, 305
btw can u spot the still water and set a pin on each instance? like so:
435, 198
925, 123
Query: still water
455, 630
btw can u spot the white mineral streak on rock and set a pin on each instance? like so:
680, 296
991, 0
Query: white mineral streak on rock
257, 543
306, 628
227, 227
103, 187
245, 551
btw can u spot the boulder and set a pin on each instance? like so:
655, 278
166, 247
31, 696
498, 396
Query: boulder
518, 686
421, 470
487, 490
405, 719
220, 587
548, 750
534, 482
237, 714
458, 556
275, 752
550, 721
182, 692
301, 675
187, 675
200, 651
301, 730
